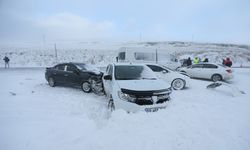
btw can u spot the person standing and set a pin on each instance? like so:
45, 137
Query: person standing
189, 61
196, 60
205, 60
6, 60
228, 62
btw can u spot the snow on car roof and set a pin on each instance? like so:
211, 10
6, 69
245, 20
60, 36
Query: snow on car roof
126, 63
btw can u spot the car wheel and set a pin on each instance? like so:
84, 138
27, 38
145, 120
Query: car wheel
178, 84
51, 82
111, 105
97, 87
216, 77
86, 87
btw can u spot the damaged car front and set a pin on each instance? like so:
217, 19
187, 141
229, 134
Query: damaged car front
134, 87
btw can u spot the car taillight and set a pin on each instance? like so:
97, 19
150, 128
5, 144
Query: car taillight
229, 70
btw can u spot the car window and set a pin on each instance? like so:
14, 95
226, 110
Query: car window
60, 67
156, 68
210, 66
222, 65
110, 70
197, 66
107, 69
121, 56
70, 68
87, 67
81, 66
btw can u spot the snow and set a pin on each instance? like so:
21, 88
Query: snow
101, 53
34, 116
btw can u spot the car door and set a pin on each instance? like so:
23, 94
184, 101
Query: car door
195, 71
208, 70
58, 73
85, 73
72, 75
108, 83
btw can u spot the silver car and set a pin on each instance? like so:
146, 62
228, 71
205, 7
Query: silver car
214, 72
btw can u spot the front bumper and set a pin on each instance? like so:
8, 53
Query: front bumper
133, 107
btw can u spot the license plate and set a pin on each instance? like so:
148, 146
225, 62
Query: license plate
151, 109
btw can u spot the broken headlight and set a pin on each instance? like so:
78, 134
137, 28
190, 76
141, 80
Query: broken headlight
126, 97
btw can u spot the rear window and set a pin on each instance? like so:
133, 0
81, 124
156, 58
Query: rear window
145, 56
156, 68
222, 65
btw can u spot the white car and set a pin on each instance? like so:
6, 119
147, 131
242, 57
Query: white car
134, 87
210, 71
175, 79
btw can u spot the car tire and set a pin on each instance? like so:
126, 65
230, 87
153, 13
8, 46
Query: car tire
178, 84
111, 105
51, 82
216, 77
86, 87
97, 87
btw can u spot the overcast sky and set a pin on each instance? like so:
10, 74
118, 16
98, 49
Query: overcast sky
226, 21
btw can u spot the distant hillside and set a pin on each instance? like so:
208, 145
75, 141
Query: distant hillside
101, 53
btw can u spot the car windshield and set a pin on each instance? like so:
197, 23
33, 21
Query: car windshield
87, 67
133, 72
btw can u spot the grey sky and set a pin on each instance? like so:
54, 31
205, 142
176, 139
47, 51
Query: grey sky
226, 21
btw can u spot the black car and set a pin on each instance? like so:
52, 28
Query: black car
77, 74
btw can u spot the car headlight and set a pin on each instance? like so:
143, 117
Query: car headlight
169, 90
164, 96
126, 97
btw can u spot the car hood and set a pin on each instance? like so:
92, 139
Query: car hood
143, 85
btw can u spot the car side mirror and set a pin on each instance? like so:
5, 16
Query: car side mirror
107, 77
164, 71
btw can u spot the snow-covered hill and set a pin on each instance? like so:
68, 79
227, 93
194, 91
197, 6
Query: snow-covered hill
101, 53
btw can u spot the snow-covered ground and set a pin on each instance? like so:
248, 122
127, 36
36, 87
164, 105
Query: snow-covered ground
100, 53
34, 116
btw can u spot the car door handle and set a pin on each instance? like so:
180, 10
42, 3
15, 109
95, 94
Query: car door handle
66, 75
54, 73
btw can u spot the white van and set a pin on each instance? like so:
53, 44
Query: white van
147, 55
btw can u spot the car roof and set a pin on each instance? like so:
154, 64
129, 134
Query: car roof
126, 64
201, 63
74, 63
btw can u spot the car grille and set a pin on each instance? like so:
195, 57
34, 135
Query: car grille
147, 100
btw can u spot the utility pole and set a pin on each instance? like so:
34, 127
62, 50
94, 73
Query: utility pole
156, 56
55, 53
